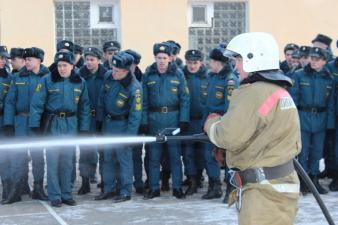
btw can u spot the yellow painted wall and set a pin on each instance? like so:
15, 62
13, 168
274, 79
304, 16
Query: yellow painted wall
296, 21
145, 22
28, 23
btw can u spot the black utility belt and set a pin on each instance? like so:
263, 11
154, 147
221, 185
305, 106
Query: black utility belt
257, 175
62, 114
164, 109
22, 113
312, 109
196, 117
116, 117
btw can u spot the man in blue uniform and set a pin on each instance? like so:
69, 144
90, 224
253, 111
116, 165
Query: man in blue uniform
314, 97
5, 78
196, 75
120, 111
17, 60
304, 58
78, 51
286, 65
16, 117
110, 48
221, 83
137, 150
62, 98
93, 72
166, 104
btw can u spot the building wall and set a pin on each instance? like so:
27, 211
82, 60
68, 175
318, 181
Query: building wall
297, 21
144, 22
27, 24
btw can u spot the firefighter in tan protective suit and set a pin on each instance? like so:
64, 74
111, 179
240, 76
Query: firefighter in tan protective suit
261, 134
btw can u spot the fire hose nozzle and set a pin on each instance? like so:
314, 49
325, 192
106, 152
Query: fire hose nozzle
160, 138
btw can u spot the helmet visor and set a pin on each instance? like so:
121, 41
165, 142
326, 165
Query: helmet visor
230, 54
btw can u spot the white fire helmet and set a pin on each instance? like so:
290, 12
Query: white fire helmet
259, 51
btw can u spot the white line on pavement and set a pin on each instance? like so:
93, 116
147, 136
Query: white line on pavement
24, 214
53, 213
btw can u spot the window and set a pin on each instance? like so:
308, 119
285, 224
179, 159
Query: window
106, 14
199, 14
88, 23
213, 22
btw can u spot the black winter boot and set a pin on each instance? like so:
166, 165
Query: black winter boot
320, 189
214, 190
178, 193
165, 181
333, 186
85, 187
38, 191
14, 194
6, 186
228, 191
192, 189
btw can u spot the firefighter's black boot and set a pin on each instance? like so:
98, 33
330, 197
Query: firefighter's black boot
228, 191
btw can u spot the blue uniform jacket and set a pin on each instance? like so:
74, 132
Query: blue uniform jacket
56, 94
94, 84
333, 67
5, 79
19, 97
121, 98
315, 90
198, 88
220, 87
165, 90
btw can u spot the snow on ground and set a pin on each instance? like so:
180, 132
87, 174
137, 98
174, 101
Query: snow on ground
163, 210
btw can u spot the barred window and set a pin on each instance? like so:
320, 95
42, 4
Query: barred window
86, 23
228, 19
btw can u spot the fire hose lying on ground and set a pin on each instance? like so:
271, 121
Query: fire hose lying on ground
50, 142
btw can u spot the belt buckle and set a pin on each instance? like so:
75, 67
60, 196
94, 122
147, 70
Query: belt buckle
260, 175
314, 110
164, 109
92, 112
62, 115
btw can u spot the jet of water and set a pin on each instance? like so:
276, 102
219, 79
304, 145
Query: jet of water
63, 141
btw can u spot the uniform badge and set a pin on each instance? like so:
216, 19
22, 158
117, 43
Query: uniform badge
111, 44
77, 99
174, 90
38, 88
162, 48
120, 103
60, 56
67, 44
138, 105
